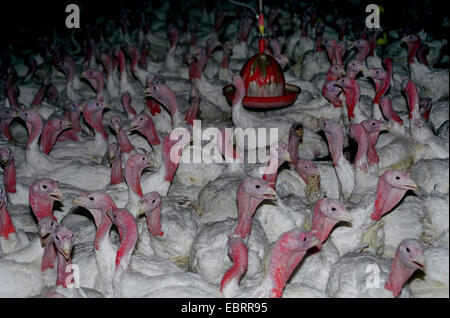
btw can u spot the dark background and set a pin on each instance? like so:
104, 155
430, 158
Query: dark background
22, 19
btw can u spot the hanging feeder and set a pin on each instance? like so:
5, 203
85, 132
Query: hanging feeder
265, 86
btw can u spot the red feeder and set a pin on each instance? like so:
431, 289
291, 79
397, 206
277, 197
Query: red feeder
264, 83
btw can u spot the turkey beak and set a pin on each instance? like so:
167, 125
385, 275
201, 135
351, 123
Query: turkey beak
67, 125
57, 194
419, 261
141, 210
271, 195
66, 250
109, 213
111, 158
133, 127
5, 161
365, 71
346, 217
385, 126
314, 242
106, 105
411, 185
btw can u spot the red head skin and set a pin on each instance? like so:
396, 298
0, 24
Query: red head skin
192, 111
73, 114
382, 82
6, 117
286, 254
218, 20
422, 54
244, 29
39, 97
173, 36
9, 169
107, 64
358, 133
95, 78
34, 125
238, 252
126, 102
239, 85
279, 154
151, 205
145, 48
326, 214
295, 137
335, 137
250, 193
133, 170
42, 194
47, 227
335, 72
363, 47
413, 43
354, 67
387, 63
151, 103
12, 93
68, 67
373, 128
330, 47
425, 108
64, 241
115, 159
52, 94
201, 57
128, 232
388, 111
172, 151
352, 92
412, 95
6, 226
135, 57
391, 188
144, 124
408, 258
122, 139
98, 203
165, 96
52, 129
319, 36
90, 51
331, 92
121, 62
306, 168
93, 115
342, 23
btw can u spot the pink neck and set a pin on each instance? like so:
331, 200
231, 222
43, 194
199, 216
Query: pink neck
50, 254
361, 160
48, 138
9, 176
116, 171
124, 142
41, 207
11, 94
128, 238
153, 219
246, 208
381, 89
388, 111
398, 275
34, 131
133, 179
6, 226
371, 150
362, 53
37, 100
63, 278
238, 252
269, 175
386, 199
412, 51
4, 127
336, 146
352, 99
93, 120
150, 133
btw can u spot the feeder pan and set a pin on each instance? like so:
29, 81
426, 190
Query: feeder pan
264, 83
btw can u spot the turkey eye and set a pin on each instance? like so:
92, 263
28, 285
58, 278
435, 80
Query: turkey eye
57, 238
304, 239
96, 104
60, 122
153, 201
257, 186
373, 124
141, 119
333, 209
91, 198
397, 178
143, 158
44, 187
408, 250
